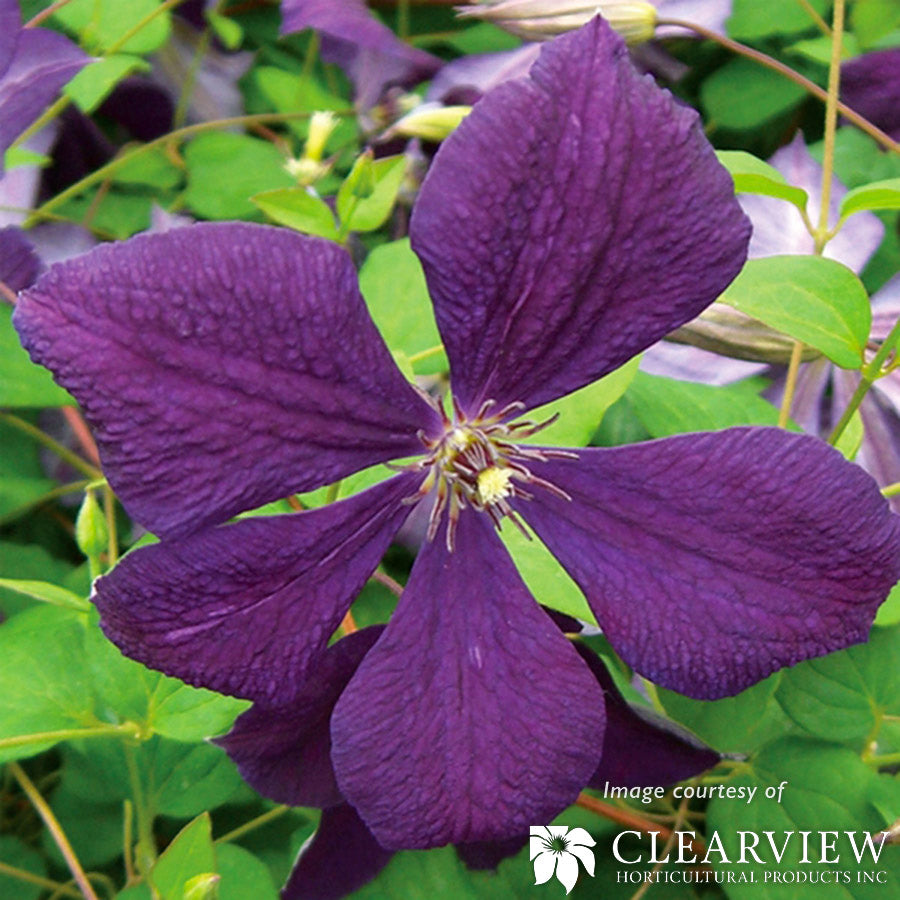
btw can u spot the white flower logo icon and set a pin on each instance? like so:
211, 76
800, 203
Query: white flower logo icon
554, 848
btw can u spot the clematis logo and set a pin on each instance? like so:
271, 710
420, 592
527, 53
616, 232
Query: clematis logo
555, 850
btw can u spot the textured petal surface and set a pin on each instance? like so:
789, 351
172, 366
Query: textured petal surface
712, 560
640, 748
222, 367
41, 63
285, 752
778, 227
559, 236
870, 84
472, 717
247, 609
19, 264
341, 857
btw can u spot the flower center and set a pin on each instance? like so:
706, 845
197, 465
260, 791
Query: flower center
476, 462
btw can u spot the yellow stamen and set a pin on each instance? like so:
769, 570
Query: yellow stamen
493, 485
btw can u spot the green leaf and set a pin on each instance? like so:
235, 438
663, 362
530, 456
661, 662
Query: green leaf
368, 194
581, 412
93, 84
665, 406
30, 562
44, 682
299, 209
734, 724
97, 845
754, 19
102, 23
889, 611
226, 30
289, 92
186, 713
119, 213
393, 284
150, 168
225, 170
825, 789
548, 582
45, 592
18, 495
243, 875
852, 436
753, 176
22, 383
844, 696
815, 300
190, 854
742, 95
877, 195
15, 852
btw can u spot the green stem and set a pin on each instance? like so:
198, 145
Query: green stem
834, 82
425, 354
253, 824
870, 374
53, 826
776, 66
403, 19
790, 385
64, 453
103, 172
146, 846
73, 487
68, 734
821, 24
31, 878
109, 506
879, 762
892, 490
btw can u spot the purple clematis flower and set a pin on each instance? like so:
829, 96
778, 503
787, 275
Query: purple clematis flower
371, 54
870, 84
34, 64
226, 365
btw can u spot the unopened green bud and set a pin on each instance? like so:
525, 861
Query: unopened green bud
538, 20
202, 887
361, 180
91, 533
728, 332
430, 122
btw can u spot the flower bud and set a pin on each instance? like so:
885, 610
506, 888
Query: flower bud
430, 122
726, 331
537, 20
310, 168
91, 533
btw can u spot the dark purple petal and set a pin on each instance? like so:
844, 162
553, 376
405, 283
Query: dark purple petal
472, 716
141, 106
640, 747
870, 85
342, 856
19, 264
41, 63
369, 51
711, 560
248, 608
559, 235
222, 366
285, 752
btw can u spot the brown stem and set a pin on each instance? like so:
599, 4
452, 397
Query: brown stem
45, 14
633, 820
56, 832
82, 434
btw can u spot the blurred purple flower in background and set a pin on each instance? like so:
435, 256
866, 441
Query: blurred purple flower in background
34, 64
870, 84
225, 366
823, 389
